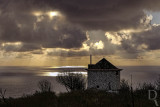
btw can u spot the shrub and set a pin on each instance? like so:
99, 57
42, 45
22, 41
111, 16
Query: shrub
124, 86
157, 83
44, 85
2, 94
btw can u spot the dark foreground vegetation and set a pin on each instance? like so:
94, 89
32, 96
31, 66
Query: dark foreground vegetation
87, 98
78, 97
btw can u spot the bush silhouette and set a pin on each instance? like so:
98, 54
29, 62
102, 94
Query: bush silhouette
44, 85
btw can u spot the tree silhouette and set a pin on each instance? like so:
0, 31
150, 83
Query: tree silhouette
72, 81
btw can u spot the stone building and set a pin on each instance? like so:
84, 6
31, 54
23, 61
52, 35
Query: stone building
103, 76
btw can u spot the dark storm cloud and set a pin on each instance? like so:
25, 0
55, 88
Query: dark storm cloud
97, 15
139, 42
19, 47
106, 14
92, 14
66, 36
18, 24
150, 38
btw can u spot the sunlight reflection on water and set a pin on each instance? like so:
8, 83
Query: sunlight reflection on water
54, 74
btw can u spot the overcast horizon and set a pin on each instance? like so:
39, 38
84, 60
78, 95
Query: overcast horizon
65, 33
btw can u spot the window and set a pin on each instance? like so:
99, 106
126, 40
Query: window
109, 86
97, 86
116, 72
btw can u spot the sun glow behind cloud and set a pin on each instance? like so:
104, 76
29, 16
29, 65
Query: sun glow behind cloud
12, 43
98, 45
50, 14
53, 13
11, 46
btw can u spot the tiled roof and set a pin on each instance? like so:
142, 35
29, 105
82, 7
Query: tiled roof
102, 64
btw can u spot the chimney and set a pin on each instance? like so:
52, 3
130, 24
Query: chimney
90, 59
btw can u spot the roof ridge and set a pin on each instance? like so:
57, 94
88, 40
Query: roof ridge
102, 60
105, 63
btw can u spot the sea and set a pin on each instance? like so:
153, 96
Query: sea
21, 81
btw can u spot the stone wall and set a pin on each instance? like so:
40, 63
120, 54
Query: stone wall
104, 80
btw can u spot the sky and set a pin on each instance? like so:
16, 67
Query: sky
66, 32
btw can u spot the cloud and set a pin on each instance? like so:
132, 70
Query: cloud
37, 52
143, 41
110, 15
18, 47
136, 44
39, 24
149, 38
95, 45
19, 24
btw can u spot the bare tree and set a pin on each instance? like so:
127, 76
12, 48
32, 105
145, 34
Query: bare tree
2, 94
72, 81
44, 85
